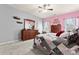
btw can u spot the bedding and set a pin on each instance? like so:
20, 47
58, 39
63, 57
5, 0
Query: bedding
48, 45
66, 51
75, 50
50, 36
66, 34
52, 47
54, 38
48, 41
63, 35
54, 44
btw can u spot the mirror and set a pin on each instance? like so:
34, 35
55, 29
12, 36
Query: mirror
29, 24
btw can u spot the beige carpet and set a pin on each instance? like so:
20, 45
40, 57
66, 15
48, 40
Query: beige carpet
19, 48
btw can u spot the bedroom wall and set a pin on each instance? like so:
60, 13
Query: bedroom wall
9, 29
62, 17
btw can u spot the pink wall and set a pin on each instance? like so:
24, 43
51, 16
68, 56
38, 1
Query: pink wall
62, 17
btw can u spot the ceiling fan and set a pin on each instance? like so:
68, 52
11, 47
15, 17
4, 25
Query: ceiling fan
45, 7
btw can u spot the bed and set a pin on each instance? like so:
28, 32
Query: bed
50, 44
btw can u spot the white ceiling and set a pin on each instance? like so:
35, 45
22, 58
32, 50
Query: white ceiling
57, 9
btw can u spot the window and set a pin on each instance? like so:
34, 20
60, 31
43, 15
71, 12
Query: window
70, 24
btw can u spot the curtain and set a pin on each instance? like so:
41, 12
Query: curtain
46, 27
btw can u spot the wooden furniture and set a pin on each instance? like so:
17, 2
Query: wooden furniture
56, 28
28, 34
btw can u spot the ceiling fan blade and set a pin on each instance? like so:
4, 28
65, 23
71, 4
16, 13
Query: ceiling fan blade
39, 7
50, 9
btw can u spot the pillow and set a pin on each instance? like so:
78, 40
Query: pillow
51, 34
65, 34
59, 33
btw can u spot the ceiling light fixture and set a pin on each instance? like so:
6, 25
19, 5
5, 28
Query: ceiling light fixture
45, 7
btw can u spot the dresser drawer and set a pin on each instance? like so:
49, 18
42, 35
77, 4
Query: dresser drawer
29, 34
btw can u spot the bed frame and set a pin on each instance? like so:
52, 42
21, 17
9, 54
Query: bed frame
56, 28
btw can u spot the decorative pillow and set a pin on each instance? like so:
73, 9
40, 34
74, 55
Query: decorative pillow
59, 33
54, 34
64, 35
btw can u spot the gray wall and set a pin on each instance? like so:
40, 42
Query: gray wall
9, 29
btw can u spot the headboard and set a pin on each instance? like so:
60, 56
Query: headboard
56, 28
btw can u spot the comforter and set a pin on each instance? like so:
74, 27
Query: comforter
51, 44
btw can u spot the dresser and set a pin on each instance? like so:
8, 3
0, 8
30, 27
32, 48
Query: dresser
28, 34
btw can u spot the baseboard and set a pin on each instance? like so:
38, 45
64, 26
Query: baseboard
2, 43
